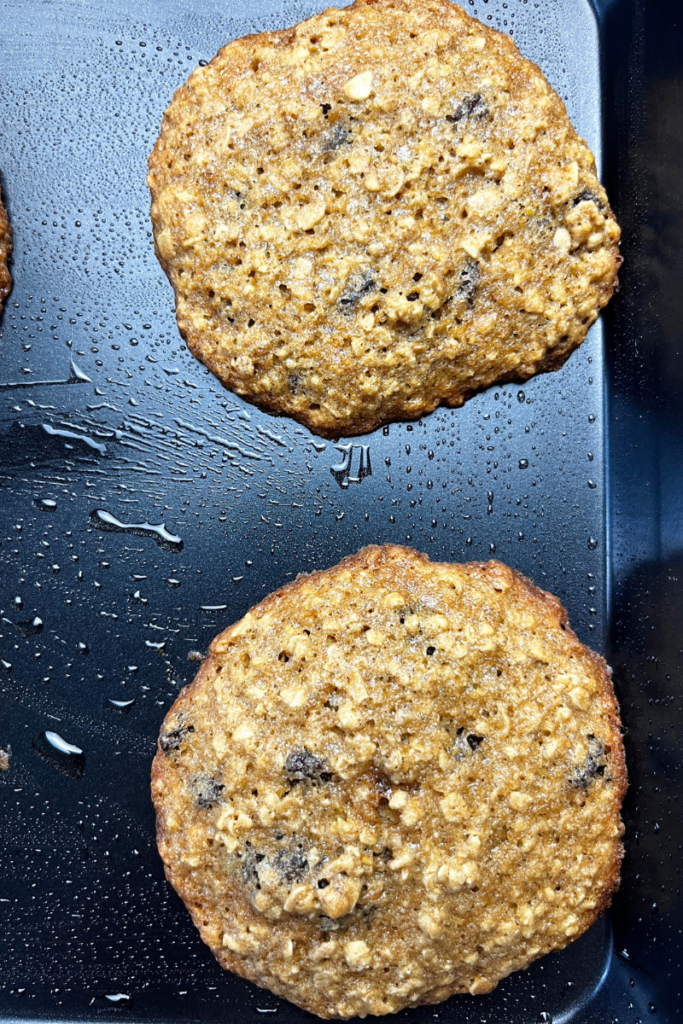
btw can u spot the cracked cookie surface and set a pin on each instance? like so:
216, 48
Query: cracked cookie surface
5, 250
390, 782
379, 210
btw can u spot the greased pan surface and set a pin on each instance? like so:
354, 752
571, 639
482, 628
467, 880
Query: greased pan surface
144, 509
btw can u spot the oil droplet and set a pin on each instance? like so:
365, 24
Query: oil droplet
60, 754
171, 582
545, 1017
83, 648
591, 418
18, 603
45, 504
592, 484
520, 397
523, 463
592, 543
213, 607
103, 520
354, 466
123, 706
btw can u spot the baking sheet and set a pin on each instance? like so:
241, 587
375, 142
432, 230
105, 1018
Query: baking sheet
109, 427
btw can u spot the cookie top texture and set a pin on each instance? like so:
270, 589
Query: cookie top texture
5, 250
392, 781
379, 210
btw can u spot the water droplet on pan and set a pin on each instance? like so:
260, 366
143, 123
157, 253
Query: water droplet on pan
523, 463
73, 436
123, 706
355, 464
112, 1001
60, 754
100, 519
27, 629
592, 543
45, 504
76, 376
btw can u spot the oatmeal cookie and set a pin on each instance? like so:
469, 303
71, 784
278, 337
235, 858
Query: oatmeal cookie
392, 781
379, 210
5, 250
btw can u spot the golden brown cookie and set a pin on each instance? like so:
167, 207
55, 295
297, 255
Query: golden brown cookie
377, 211
392, 781
5, 250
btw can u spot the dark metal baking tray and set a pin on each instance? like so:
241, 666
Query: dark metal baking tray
574, 478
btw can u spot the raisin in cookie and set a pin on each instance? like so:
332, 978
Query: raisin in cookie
379, 210
5, 250
390, 782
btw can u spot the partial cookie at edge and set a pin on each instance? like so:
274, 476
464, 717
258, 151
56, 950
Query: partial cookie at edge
5, 250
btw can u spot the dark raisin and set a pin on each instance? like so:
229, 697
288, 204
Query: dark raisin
206, 791
469, 106
291, 865
301, 764
357, 286
172, 740
431, 650
336, 137
474, 741
249, 867
469, 279
413, 296
327, 924
589, 197
594, 766
326, 108
384, 787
